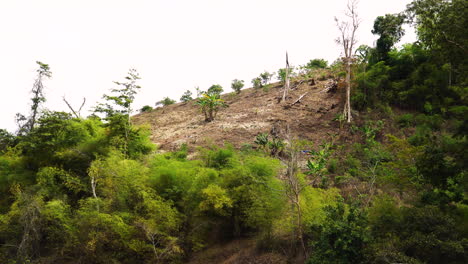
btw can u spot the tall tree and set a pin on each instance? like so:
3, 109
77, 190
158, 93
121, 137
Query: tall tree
390, 30
26, 124
347, 40
441, 26
119, 105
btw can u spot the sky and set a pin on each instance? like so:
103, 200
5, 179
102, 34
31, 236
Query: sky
175, 45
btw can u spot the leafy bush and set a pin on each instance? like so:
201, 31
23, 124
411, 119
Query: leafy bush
405, 120
276, 146
266, 77
316, 63
209, 105
262, 140
165, 101
257, 83
6, 140
146, 108
215, 89
187, 96
282, 74
343, 236
237, 85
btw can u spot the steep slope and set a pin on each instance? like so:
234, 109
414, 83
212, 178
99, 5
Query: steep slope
249, 113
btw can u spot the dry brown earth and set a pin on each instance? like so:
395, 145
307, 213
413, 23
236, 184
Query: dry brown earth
249, 113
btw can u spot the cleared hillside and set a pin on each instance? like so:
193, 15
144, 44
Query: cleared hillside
249, 113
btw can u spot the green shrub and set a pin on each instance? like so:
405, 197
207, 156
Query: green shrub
146, 108
332, 166
215, 89
405, 120
187, 96
432, 121
421, 136
316, 64
257, 83
210, 104
165, 102
266, 77
343, 237
237, 85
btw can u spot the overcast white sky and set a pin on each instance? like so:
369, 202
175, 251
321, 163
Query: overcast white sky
174, 44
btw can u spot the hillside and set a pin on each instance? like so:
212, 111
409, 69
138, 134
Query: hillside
249, 113
389, 185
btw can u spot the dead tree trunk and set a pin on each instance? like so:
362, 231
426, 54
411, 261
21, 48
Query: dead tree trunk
294, 188
76, 113
286, 80
348, 40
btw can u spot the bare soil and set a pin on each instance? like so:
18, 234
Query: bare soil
249, 113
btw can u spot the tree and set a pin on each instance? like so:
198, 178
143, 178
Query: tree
343, 236
26, 124
187, 96
347, 39
210, 105
123, 99
237, 85
257, 83
6, 140
441, 27
281, 74
294, 185
316, 64
266, 77
118, 114
390, 30
215, 89
165, 101
146, 108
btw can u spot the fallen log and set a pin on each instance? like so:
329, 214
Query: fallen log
295, 102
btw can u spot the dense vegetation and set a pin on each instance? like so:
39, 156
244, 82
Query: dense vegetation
94, 190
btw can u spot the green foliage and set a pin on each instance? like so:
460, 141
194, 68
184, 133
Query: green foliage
317, 163
165, 101
215, 89
274, 147
89, 190
187, 96
257, 83
210, 104
442, 165
26, 124
405, 120
390, 30
266, 77
6, 140
146, 108
262, 140
215, 200
373, 85
121, 100
218, 157
340, 118
118, 108
440, 27
343, 236
317, 63
237, 85
414, 235
281, 74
